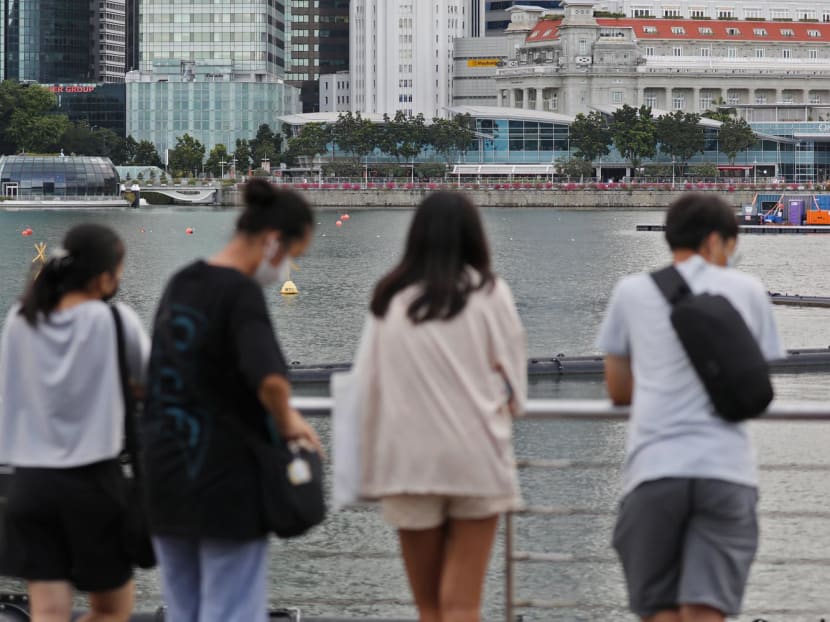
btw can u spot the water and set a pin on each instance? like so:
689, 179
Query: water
561, 266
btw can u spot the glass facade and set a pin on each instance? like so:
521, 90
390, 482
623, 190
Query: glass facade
99, 105
28, 177
47, 41
179, 98
248, 33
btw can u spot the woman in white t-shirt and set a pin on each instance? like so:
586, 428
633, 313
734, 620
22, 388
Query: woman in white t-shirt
62, 427
443, 371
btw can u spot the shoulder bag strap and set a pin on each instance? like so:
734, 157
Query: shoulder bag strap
130, 429
672, 284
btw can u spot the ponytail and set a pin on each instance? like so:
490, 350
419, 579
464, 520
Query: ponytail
88, 252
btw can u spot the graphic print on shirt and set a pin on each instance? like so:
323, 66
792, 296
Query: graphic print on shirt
177, 379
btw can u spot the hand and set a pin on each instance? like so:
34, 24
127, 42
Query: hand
295, 428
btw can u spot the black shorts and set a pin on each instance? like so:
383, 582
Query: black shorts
68, 525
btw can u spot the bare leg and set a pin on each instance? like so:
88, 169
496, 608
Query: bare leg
700, 613
468, 547
665, 616
423, 555
50, 601
113, 606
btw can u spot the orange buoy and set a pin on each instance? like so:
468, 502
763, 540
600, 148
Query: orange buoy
338, 224
27, 232
189, 231
345, 217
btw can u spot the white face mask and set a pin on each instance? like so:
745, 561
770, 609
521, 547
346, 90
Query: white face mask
268, 274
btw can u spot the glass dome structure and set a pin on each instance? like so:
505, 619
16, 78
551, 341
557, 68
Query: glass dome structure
47, 177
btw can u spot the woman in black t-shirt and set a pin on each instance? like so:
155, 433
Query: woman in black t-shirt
216, 369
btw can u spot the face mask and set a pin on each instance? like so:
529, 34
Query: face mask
267, 274
111, 295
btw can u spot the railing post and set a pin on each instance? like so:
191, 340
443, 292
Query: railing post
508, 567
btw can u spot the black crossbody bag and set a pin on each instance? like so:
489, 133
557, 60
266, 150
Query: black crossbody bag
137, 541
721, 348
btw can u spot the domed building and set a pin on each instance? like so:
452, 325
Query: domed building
47, 179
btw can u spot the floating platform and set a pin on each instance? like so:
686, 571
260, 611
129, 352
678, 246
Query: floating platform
762, 229
786, 300
811, 359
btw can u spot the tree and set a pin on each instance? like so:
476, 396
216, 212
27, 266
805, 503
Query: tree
313, 139
145, 154
735, 136
24, 108
242, 153
634, 134
188, 155
266, 145
355, 135
681, 136
412, 136
39, 133
590, 136
451, 137
218, 161
577, 168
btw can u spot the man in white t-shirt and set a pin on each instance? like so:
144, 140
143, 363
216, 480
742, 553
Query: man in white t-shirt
687, 530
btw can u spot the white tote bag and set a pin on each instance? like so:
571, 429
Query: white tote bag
347, 420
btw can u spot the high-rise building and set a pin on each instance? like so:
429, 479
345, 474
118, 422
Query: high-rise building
250, 34
402, 54
132, 38
497, 16
109, 40
319, 44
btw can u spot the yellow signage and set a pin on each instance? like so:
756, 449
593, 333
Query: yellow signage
483, 62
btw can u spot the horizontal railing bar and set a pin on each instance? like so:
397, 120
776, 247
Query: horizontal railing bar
572, 511
556, 465
548, 409
578, 606
569, 558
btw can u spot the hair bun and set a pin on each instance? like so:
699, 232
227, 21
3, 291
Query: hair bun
259, 194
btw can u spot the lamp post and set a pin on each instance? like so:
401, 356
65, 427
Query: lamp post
673, 163
233, 163
755, 172
222, 164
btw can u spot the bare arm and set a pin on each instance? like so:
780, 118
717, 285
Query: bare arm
619, 380
275, 395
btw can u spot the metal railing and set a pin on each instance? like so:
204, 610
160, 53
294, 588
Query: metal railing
601, 410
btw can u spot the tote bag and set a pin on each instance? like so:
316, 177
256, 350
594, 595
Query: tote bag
347, 425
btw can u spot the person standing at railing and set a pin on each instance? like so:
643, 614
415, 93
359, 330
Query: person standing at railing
62, 429
217, 376
687, 530
443, 371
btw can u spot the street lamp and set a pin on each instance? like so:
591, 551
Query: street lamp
222, 164
233, 162
755, 173
673, 162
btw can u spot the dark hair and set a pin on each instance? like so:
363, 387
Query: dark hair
268, 208
446, 238
88, 251
695, 216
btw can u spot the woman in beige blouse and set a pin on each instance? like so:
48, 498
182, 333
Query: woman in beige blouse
443, 371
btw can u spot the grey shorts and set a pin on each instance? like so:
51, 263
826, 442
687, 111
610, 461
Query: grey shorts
687, 542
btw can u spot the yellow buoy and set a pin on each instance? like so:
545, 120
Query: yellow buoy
289, 288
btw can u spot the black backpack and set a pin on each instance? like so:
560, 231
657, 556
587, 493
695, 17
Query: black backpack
721, 348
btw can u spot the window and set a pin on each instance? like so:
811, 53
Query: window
760, 53
706, 102
698, 13
787, 32
813, 54
642, 12
815, 98
753, 14
779, 14
786, 53
760, 32
678, 51
806, 14
825, 17
583, 47
616, 97
649, 51
651, 101
679, 103
734, 100
760, 99
726, 14
815, 34
733, 32
651, 30
705, 52
678, 30
671, 12
705, 30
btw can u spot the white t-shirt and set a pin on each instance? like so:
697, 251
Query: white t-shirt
674, 431
61, 404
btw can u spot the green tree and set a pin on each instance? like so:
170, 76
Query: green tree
577, 168
413, 136
40, 133
23, 107
355, 135
451, 137
634, 134
735, 135
218, 161
681, 136
590, 136
313, 139
266, 144
242, 153
188, 155
145, 154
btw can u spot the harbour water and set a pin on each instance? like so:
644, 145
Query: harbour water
562, 266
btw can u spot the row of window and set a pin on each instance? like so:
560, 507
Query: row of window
733, 31
813, 54
731, 13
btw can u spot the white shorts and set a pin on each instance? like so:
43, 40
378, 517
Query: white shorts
417, 512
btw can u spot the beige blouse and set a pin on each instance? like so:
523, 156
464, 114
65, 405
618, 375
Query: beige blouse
438, 397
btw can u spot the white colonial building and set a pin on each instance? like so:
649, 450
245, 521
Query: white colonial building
581, 62
771, 10
401, 54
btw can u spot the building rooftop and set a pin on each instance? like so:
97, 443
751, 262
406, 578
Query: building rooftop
701, 30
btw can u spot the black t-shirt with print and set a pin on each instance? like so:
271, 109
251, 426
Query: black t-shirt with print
213, 344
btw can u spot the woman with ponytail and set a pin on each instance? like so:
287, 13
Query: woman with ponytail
62, 426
